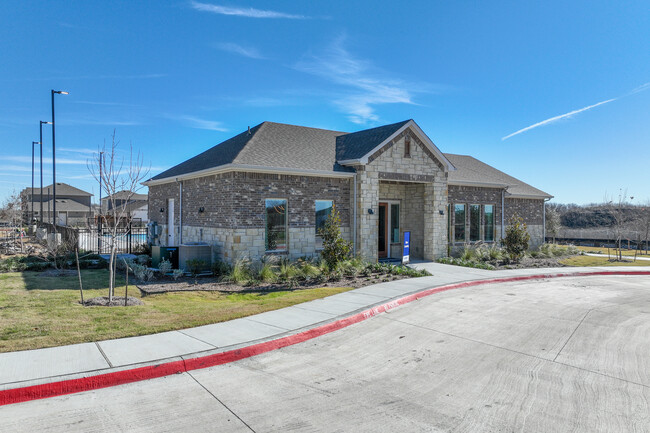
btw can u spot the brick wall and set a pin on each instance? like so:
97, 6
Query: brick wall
236, 199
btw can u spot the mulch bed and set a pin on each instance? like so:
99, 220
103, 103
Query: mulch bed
118, 301
212, 284
529, 262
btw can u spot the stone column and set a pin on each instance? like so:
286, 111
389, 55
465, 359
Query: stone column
367, 198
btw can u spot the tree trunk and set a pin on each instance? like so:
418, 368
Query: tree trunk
110, 274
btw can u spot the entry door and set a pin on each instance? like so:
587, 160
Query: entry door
170, 222
382, 246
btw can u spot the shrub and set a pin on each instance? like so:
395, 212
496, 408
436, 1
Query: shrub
177, 273
465, 263
195, 266
335, 248
308, 270
143, 259
164, 267
266, 273
516, 240
287, 271
219, 268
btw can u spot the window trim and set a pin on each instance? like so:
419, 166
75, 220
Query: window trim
286, 227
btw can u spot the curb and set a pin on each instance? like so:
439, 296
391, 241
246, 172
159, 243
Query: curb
71, 386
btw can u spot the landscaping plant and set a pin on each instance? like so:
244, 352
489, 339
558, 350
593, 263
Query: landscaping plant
516, 240
335, 248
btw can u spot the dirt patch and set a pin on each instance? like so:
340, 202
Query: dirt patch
211, 284
118, 301
58, 273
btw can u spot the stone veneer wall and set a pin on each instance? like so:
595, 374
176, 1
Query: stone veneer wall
234, 212
391, 164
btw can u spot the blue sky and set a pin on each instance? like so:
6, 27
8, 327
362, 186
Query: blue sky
174, 78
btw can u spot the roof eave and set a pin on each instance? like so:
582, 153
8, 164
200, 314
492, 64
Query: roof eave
249, 168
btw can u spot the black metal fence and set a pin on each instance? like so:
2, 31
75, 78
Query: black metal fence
128, 239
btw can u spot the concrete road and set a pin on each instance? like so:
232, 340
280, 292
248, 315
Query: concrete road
559, 355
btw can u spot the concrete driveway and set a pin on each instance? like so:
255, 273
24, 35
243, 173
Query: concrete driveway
557, 355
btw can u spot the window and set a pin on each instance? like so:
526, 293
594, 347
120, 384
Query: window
488, 222
407, 147
276, 225
323, 210
394, 223
459, 223
474, 222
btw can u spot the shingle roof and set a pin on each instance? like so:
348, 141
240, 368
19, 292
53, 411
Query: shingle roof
278, 145
471, 170
61, 189
357, 144
123, 194
62, 205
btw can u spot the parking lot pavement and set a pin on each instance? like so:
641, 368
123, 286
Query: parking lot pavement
558, 355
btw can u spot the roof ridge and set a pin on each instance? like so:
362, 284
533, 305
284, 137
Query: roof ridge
305, 127
252, 134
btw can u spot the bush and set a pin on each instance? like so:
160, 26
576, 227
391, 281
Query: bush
240, 272
220, 269
164, 267
287, 271
195, 266
465, 263
143, 259
516, 240
335, 248
177, 273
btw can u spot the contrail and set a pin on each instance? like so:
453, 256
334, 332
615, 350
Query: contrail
556, 118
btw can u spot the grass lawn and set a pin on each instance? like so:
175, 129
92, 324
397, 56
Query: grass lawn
612, 251
38, 311
600, 261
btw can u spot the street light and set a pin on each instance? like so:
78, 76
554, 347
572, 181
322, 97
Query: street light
33, 143
60, 92
42, 122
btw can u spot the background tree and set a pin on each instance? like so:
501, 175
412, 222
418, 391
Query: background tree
117, 174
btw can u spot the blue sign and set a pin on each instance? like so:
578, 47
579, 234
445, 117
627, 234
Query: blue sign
407, 245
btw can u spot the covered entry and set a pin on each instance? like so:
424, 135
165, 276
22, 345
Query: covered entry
389, 235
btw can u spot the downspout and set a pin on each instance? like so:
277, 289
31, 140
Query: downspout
180, 210
503, 217
544, 219
354, 218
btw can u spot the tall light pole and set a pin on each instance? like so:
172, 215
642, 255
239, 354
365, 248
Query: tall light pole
42, 122
99, 219
60, 92
33, 143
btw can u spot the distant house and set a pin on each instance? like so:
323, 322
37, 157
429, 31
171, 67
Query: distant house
73, 207
135, 206
269, 189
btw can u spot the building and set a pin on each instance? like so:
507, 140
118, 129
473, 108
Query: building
267, 190
73, 207
134, 205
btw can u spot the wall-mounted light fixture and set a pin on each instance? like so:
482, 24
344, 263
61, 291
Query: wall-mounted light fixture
371, 212
441, 212
162, 209
201, 209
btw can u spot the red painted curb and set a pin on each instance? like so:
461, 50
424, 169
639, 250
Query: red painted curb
18, 395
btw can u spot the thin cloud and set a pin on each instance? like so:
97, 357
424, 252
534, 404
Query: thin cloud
369, 86
249, 52
198, 123
570, 114
244, 12
79, 150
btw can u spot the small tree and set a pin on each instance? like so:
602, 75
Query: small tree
116, 176
516, 240
335, 248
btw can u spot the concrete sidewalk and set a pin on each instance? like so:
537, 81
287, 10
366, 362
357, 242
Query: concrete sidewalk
42, 366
